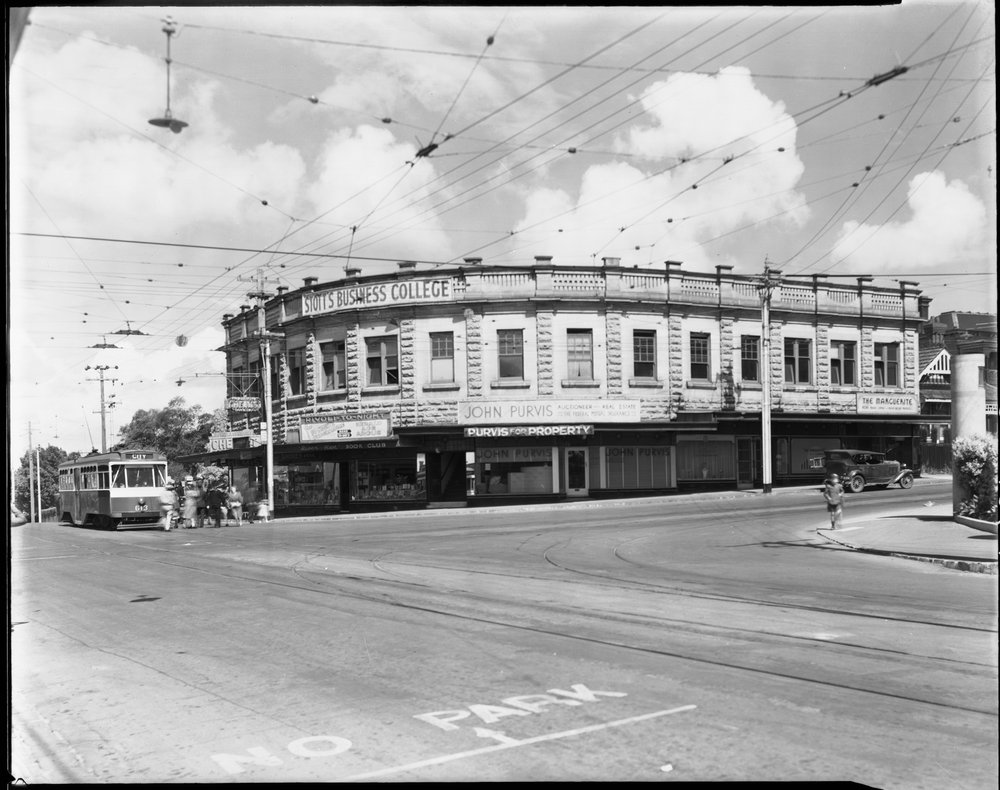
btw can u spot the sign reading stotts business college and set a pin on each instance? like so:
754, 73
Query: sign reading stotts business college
376, 295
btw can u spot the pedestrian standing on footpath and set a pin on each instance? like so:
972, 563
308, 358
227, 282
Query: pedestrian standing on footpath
234, 501
215, 505
192, 493
168, 501
833, 493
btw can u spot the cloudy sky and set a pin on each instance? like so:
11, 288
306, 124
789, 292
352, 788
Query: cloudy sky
709, 135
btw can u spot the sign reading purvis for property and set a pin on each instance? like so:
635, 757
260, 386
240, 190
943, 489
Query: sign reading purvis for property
901, 403
345, 428
376, 295
516, 412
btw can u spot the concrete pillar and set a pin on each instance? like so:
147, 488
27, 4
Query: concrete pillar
968, 407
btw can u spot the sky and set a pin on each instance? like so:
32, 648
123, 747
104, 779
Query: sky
842, 140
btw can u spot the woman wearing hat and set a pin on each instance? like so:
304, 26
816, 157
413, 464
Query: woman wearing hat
833, 493
192, 494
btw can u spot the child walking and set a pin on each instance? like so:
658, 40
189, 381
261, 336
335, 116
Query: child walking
833, 493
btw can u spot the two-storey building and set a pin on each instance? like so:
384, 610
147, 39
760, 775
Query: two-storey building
490, 384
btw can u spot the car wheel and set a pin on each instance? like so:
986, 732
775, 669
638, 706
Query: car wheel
857, 484
906, 481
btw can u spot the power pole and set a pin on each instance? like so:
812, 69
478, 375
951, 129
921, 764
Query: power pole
765, 286
31, 478
104, 430
260, 296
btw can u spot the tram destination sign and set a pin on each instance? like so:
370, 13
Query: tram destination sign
547, 412
377, 295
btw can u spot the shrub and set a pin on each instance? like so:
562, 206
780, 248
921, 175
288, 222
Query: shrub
974, 462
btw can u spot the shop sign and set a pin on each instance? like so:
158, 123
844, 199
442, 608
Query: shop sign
502, 455
902, 403
547, 411
224, 440
529, 430
349, 428
243, 404
377, 295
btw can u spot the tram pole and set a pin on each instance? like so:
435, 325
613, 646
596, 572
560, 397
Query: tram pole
766, 286
31, 478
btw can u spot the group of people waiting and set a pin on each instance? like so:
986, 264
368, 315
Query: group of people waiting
195, 502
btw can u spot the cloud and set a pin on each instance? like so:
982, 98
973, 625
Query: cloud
948, 226
676, 192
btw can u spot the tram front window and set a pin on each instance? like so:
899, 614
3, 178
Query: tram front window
138, 477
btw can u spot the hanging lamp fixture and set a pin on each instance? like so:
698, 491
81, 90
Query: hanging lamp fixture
168, 121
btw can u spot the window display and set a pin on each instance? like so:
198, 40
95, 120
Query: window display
377, 481
316, 483
513, 470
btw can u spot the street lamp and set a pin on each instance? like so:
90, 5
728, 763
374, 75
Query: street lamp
168, 121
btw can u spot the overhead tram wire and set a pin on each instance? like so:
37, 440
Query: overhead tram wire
898, 208
852, 196
590, 91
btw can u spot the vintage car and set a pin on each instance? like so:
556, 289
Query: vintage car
860, 468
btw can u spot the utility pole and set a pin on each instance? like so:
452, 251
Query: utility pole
766, 286
31, 477
104, 430
38, 480
261, 296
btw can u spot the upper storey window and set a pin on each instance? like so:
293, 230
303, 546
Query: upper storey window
798, 361
750, 358
334, 365
383, 361
842, 363
887, 364
297, 371
701, 358
510, 353
442, 357
580, 354
644, 353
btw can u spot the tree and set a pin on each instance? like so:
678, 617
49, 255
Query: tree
174, 431
47, 472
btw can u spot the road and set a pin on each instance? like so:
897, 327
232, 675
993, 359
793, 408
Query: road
693, 638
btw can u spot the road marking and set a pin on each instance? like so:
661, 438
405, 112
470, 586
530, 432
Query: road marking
447, 758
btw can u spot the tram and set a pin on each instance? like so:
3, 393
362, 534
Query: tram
113, 490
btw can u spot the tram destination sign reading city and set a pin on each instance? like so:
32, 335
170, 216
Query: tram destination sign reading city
376, 295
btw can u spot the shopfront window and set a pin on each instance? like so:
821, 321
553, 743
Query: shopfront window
637, 467
513, 470
706, 460
316, 483
388, 480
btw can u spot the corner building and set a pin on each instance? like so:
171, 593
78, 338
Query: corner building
488, 384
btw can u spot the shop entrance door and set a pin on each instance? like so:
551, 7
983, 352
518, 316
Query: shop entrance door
576, 471
748, 462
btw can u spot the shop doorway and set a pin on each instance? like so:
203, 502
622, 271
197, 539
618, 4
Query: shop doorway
749, 468
577, 472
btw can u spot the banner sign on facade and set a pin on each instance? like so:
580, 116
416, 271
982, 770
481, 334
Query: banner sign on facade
902, 403
246, 404
376, 295
350, 427
528, 430
224, 440
517, 412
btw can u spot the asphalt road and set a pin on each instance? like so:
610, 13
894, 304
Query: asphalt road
699, 638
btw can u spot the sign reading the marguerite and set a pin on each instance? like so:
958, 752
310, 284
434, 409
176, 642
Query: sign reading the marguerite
376, 295
901, 403
556, 411
350, 427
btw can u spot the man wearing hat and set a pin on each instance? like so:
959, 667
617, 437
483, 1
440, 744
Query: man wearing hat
833, 493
